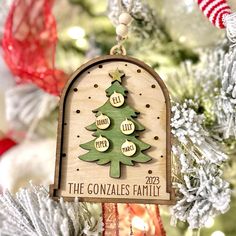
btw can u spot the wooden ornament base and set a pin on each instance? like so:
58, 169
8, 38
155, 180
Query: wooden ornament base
142, 183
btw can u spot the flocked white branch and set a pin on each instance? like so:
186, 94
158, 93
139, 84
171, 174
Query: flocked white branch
202, 191
32, 212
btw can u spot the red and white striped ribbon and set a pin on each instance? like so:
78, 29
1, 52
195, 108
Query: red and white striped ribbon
215, 11
220, 15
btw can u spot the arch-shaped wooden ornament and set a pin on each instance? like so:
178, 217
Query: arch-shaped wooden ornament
146, 182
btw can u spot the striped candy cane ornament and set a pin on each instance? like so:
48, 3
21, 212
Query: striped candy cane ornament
220, 15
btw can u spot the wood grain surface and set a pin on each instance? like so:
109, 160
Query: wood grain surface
85, 91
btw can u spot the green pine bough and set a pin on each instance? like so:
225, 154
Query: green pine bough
113, 134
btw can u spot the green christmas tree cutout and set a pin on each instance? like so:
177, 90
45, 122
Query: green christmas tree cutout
112, 144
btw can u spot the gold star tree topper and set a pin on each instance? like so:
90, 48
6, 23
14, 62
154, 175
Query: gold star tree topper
117, 75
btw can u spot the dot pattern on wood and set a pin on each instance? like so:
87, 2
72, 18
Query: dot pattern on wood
90, 94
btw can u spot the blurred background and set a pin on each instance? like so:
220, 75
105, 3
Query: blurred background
166, 34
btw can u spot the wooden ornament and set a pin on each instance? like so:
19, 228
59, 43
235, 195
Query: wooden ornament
84, 172
117, 99
103, 121
128, 148
127, 127
101, 144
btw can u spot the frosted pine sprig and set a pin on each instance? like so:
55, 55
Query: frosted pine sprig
187, 128
33, 212
225, 107
204, 195
197, 161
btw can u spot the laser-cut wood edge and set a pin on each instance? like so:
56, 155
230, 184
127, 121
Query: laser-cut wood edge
57, 178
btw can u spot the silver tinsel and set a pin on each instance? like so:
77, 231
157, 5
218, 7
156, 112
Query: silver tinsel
33, 212
198, 158
225, 107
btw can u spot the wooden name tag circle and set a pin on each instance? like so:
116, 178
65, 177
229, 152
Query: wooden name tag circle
135, 180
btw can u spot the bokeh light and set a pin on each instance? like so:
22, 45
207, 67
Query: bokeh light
75, 32
218, 233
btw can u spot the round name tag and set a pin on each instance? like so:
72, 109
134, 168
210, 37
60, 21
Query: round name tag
101, 144
127, 127
103, 121
128, 148
117, 99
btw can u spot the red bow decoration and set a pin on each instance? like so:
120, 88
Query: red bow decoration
29, 44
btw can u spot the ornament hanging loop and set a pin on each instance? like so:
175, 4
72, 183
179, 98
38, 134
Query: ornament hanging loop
118, 50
